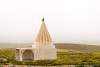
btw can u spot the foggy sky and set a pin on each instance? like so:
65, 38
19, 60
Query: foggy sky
69, 21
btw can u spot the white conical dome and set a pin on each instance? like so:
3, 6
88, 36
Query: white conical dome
43, 35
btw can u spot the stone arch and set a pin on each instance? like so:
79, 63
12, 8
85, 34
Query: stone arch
28, 55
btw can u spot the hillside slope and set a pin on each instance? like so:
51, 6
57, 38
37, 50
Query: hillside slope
78, 47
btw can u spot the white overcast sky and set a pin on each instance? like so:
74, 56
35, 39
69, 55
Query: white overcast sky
69, 21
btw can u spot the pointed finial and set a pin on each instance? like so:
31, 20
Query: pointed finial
42, 19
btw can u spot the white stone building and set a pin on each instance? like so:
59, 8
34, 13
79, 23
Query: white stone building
42, 49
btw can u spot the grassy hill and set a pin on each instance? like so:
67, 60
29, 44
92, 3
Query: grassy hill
67, 54
63, 58
78, 47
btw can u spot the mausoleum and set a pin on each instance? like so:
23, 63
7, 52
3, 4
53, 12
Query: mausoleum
42, 49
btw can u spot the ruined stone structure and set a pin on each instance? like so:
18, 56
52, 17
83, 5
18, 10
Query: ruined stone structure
42, 49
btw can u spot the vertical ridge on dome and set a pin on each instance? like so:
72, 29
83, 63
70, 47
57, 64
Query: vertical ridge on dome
43, 35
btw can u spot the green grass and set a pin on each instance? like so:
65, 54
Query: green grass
64, 57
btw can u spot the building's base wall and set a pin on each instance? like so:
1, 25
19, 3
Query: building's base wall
45, 52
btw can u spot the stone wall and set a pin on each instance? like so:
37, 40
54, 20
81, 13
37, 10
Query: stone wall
46, 52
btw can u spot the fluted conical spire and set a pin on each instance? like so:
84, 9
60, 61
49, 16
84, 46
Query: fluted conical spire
43, 35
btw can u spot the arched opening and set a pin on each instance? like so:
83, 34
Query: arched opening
28, 55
